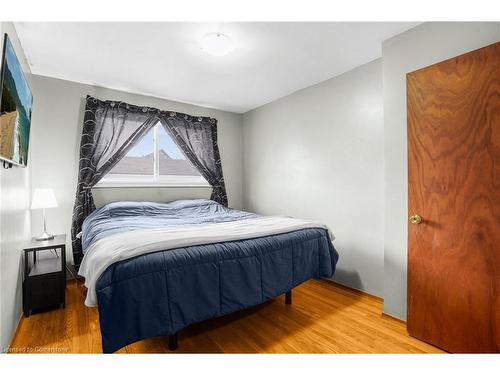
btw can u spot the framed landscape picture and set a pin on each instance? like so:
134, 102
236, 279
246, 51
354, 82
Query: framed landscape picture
16, 103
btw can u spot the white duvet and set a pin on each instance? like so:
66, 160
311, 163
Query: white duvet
117, 247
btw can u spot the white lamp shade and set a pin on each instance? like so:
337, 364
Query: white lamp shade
43, 198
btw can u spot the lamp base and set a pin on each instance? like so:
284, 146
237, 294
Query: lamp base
45, 237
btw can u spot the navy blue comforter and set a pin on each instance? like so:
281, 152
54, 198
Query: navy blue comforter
160, 293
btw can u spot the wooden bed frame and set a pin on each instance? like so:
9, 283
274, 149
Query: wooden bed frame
173, 339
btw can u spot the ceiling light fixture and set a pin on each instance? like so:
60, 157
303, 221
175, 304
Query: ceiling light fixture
216, 44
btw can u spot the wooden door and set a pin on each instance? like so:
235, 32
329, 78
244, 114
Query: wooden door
454, 185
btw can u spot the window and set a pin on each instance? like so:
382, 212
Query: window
154, 161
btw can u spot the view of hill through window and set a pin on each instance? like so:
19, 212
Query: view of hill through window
140, 159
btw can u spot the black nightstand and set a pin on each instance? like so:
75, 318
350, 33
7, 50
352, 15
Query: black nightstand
44, 282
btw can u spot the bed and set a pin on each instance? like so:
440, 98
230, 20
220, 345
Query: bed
153, 269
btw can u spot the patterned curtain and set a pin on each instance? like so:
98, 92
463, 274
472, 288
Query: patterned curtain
110, 130
197, 138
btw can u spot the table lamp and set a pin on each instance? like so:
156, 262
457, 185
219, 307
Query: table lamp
44, 198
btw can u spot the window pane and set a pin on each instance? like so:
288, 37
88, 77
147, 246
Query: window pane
172, 161
139, 160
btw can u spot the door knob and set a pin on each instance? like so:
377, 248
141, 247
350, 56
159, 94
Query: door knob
415, 219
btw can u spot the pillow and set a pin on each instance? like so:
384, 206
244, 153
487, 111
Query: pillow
118, 209
125, 208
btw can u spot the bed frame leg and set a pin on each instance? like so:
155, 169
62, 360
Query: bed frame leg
172, 342
288, 297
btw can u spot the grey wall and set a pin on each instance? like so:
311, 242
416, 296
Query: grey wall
15, 199
424, 45
56, 132
319, 154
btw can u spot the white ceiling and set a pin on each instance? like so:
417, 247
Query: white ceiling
165, 60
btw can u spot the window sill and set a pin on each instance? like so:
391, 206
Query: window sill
106, 185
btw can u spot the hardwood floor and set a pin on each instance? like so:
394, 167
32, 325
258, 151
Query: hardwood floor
323, 318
